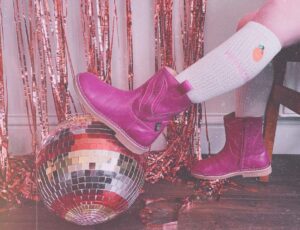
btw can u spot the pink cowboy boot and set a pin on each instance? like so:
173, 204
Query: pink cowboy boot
244, 153
139, 116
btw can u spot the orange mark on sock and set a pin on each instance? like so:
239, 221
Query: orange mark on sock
258, 53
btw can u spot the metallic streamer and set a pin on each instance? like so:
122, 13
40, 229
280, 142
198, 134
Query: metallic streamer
42, 57
192, 27
53, 45
96, 37
184, 132
129, 44
39, 89
61, 61
98, 40
163, 33
25, 70
19, 182
192, 30
3, 109
42, 52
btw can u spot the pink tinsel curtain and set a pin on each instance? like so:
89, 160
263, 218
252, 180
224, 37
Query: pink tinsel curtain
46, 56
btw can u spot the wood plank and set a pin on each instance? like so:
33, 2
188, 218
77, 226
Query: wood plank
287, 97
272, 108
247, 205
242, 214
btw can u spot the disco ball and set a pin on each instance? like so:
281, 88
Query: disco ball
85, 175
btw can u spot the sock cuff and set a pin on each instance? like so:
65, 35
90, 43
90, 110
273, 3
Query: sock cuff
265, 33
233, 63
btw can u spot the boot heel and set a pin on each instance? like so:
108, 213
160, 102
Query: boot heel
258, 173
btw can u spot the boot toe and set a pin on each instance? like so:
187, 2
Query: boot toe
89, 86
215, 167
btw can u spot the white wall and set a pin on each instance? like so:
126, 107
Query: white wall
221, 20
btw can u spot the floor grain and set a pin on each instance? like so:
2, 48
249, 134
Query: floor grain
249, 205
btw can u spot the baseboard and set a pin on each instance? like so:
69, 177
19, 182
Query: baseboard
286, 139
287, 135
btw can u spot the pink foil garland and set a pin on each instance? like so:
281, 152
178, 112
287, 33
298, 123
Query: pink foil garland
3, 108
184, 132
129, 44
43, 53
96, 37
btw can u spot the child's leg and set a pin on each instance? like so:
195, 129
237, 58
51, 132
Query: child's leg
232, 64
246, 53
251, 98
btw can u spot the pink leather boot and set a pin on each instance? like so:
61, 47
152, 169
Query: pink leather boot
244, 153
138, 116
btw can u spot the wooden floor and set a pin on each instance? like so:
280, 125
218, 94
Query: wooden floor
249, 205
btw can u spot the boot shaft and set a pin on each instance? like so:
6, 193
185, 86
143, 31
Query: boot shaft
254, 151
162, 97
244, 140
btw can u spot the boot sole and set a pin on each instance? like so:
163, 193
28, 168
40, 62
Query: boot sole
127, 141
250, 173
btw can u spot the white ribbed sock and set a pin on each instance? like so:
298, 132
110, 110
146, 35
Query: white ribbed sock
232, 64
251, 98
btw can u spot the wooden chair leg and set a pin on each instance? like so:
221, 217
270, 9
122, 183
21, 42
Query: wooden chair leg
269, 131
272, 109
